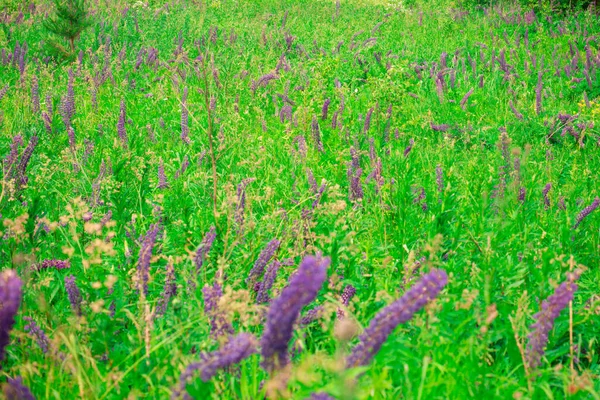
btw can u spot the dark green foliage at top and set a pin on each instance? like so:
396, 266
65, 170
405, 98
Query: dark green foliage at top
70, 19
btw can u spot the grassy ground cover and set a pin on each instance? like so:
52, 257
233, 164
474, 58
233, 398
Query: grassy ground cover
161, 190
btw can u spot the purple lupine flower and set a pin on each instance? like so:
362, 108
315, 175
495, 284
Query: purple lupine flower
356, 191
169, 290
311, 315
347, 294
376, 175
262, 295
74, 294
13, 155
38, 333
68, 104
204, 248
3, 91
440, 127
285, 113
241, 202
218, 323
311, 180
538, 94
263, 81
54, 263
35, 95
368, 120
316, 132
505, 149
545, 194
439, 178
162, 178
263, 258
320, 395
409, 147
16, 390
400, 311
420, 197
587, 211
144, 258
10, 300
561, 203
544, 320
121, 124
325, 109
49, 104
521, 197
185, 130
24, 162
463, 101
302, 289
71, 134
318, 196
236, 350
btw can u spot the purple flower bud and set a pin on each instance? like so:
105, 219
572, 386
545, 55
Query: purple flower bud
302, 289
545, 194
551, 308
356, 191
439, 178
10, 300
465, 98
204, 248
71, 134
219, 324
162, 178
264, 257
409, 147
316, 132
401, 311
169, 290
285, 113
185, 130
368, 120
121, 124
38, 333
73, 293
347, 294
311, 315
16, 390
538, 94
587, 211
237, 349
265, 286
13, 155
144, 258
521, 194
324, 109
53, 263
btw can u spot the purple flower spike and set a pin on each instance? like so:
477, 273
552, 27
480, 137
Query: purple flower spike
265, 286
400, 311
16, 390
57, 264
236, 350
121, 124
283, 313
317, 134
551, 308
10, 299
409, 147
169, 290
587, 211
144, 257
347, 294
218, 323
185, 130
38, 333
205, 247
325, 109
73, 293
263, 258
545, 194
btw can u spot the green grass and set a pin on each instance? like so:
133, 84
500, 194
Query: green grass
500, 254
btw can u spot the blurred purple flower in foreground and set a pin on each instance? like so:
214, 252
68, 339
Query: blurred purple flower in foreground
551, 308
10, 299
402, 310
302, 289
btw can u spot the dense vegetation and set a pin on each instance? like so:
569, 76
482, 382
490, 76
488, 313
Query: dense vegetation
165, 190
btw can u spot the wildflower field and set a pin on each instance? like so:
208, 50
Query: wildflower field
292, 199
